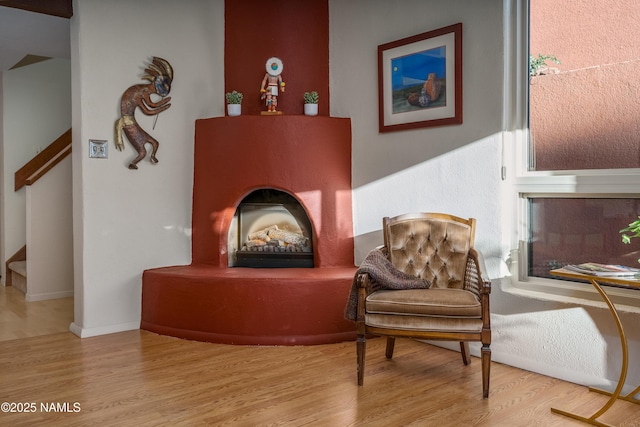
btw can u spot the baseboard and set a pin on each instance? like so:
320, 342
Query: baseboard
49, 295
103, 330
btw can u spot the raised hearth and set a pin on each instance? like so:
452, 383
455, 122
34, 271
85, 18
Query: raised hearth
308, 158
250, 306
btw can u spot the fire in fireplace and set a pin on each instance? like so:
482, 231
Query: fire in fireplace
270, 229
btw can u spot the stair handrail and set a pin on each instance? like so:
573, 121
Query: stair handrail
44, 161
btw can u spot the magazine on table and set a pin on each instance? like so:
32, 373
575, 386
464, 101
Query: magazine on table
604, 270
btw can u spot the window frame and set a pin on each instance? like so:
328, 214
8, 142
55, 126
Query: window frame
525, 184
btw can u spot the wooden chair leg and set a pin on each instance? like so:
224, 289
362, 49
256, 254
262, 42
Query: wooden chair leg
464, 350
391, 342
361, 347
486, 369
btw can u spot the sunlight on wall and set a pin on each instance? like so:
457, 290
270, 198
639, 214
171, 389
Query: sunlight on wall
436, 185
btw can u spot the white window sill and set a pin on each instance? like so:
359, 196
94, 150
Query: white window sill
626, 300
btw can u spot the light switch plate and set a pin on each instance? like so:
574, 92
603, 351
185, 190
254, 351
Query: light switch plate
98, 149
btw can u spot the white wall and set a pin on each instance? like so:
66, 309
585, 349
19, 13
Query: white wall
126, 221
457, 169
37, 110
454, 169
50, 235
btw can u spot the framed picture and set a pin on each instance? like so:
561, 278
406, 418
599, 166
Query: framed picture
420, 80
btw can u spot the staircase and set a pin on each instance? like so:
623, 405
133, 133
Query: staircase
16, 268
18, 272
42, 215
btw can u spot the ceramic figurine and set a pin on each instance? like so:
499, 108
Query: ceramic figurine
272, 84
159, 73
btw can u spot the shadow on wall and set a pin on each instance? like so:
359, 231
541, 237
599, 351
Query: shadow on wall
365, 243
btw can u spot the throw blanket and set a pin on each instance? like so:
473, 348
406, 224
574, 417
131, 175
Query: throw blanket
383, 275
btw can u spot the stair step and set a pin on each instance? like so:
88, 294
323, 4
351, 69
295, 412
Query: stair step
19, 267
18, 272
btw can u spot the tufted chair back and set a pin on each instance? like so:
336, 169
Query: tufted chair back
430, 246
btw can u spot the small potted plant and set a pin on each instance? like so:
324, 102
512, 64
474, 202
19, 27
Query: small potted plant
311, 103
234, 101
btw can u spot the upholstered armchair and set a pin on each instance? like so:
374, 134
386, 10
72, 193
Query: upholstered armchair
442, 291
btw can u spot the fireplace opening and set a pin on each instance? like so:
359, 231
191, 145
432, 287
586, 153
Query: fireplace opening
270, 229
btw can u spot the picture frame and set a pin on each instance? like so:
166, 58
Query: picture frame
412, 71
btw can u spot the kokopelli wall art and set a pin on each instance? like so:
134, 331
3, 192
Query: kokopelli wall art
159, 73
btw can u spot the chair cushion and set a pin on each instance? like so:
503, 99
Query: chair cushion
425, 324
425, 302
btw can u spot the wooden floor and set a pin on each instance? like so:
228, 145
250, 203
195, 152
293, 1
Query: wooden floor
21, 319
140, 379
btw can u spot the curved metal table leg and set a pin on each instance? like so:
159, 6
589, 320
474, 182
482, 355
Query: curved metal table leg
623, 372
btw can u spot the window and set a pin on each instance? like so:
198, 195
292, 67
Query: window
574, 230
580, 178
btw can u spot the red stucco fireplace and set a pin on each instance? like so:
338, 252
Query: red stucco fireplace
308, 158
